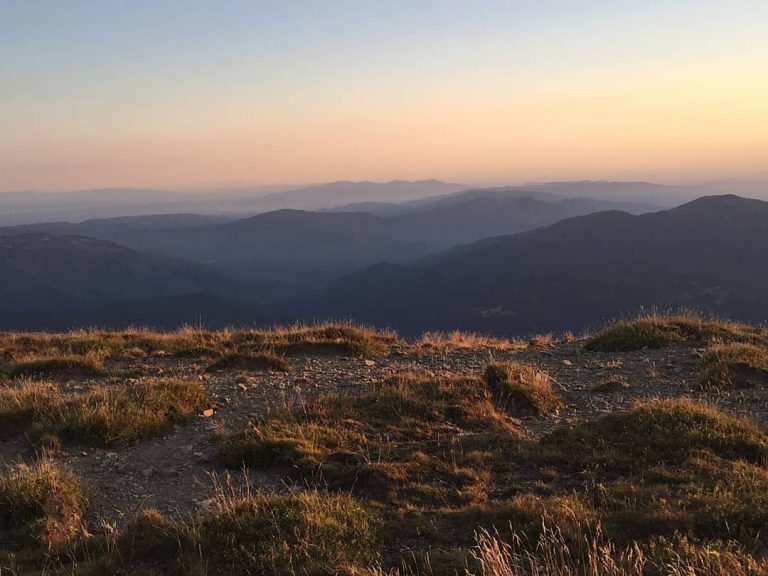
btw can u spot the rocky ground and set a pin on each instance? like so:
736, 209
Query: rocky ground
174, 473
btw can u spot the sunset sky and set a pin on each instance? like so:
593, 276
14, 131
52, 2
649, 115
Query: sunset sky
171, 93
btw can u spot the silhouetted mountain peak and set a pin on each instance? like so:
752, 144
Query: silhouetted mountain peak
730, 202
707, 255
727, 210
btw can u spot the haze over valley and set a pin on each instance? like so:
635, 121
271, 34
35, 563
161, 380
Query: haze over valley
436, 256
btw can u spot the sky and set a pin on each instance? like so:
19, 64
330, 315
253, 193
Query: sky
185, 93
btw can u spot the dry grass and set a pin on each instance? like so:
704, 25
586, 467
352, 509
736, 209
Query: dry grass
523, 511
40, 503
308, 533
591, 554
734, 366
424, 475
681, 556
429, 454
666, 488
542, 340
659, 331
102, 415
458, 340
149, 537
235, 361
611, 385
660, 431
552, 555
521, 388
669, 466
349, 339
410, 438
333, 337
65, 366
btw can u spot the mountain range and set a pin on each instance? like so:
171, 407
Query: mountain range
30, 207
511, 260
707, 254
310, 249
384, 198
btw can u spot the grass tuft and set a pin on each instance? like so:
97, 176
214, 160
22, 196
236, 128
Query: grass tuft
458, 340
70, 366
542, 340
237, 361
150, 536
40, 503
611, 385
669, 467
103, 415
308, 533
194, 342
409, 437
734, 366
658, 331
331, 338
521, 388
660, 432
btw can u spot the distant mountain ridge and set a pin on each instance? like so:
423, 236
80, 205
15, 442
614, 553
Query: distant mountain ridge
707, 254
395, 270
333, 194
36, 206
55, 282
313, 248
46, 272
390, 198
478, 214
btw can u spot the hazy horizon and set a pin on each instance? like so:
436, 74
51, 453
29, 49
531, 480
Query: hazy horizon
289, 186
275, 187
190, 94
